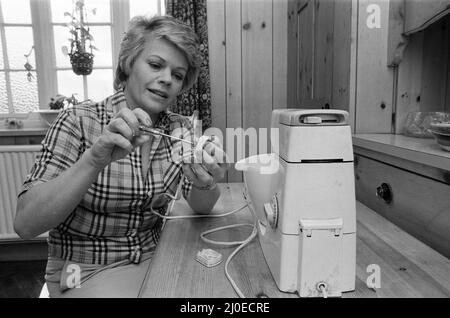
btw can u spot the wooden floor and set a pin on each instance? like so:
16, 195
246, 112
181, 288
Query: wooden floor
22, 279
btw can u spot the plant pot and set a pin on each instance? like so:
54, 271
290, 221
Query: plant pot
82, 63
48, 115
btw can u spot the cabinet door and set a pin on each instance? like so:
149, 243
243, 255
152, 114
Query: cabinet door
417, 204
421, 13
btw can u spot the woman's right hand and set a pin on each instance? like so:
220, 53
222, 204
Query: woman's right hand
120, 137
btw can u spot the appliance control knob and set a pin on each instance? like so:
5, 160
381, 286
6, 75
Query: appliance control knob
271, 211
384, 191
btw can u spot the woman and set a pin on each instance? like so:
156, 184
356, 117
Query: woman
98, 176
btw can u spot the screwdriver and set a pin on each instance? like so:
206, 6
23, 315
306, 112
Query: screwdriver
154, 131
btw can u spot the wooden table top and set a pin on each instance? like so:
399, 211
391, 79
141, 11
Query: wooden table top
408, 268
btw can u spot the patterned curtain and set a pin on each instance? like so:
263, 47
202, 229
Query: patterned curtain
193, 13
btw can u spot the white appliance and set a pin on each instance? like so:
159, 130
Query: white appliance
303, 195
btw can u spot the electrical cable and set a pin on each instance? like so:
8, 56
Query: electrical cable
241, 244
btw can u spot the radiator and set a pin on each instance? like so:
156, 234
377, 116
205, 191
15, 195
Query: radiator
15, 164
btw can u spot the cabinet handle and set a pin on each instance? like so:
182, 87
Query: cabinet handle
384, 192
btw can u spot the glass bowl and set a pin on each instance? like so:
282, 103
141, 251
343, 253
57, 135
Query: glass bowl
441, 132
418, 124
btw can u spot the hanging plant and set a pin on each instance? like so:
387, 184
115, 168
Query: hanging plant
28, 66
81, 56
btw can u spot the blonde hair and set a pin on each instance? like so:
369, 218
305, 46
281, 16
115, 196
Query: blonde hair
159, 27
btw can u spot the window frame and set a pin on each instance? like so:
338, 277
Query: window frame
113, 48
6, 66
43, 38
45, 58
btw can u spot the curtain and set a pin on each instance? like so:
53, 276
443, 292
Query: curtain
193, 13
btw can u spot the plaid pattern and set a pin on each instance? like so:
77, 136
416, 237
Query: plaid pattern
113, 220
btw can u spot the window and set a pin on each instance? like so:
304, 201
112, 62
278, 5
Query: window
98, 84
37, 28
17, 94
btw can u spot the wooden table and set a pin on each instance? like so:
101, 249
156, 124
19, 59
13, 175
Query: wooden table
408, 267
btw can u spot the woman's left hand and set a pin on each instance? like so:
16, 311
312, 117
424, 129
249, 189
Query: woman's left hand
210, 166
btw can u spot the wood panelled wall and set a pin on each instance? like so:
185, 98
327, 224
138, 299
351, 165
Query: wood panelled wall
267, 54
424, 72
393, 73
248, 52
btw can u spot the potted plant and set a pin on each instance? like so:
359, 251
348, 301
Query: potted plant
61, 102
56, 104
81, 56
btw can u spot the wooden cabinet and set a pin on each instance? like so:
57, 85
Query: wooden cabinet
424, 73
418, 204
421, 14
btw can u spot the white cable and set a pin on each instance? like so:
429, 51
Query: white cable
243, 243
202, 235
241, 246
249, 239
197, 215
